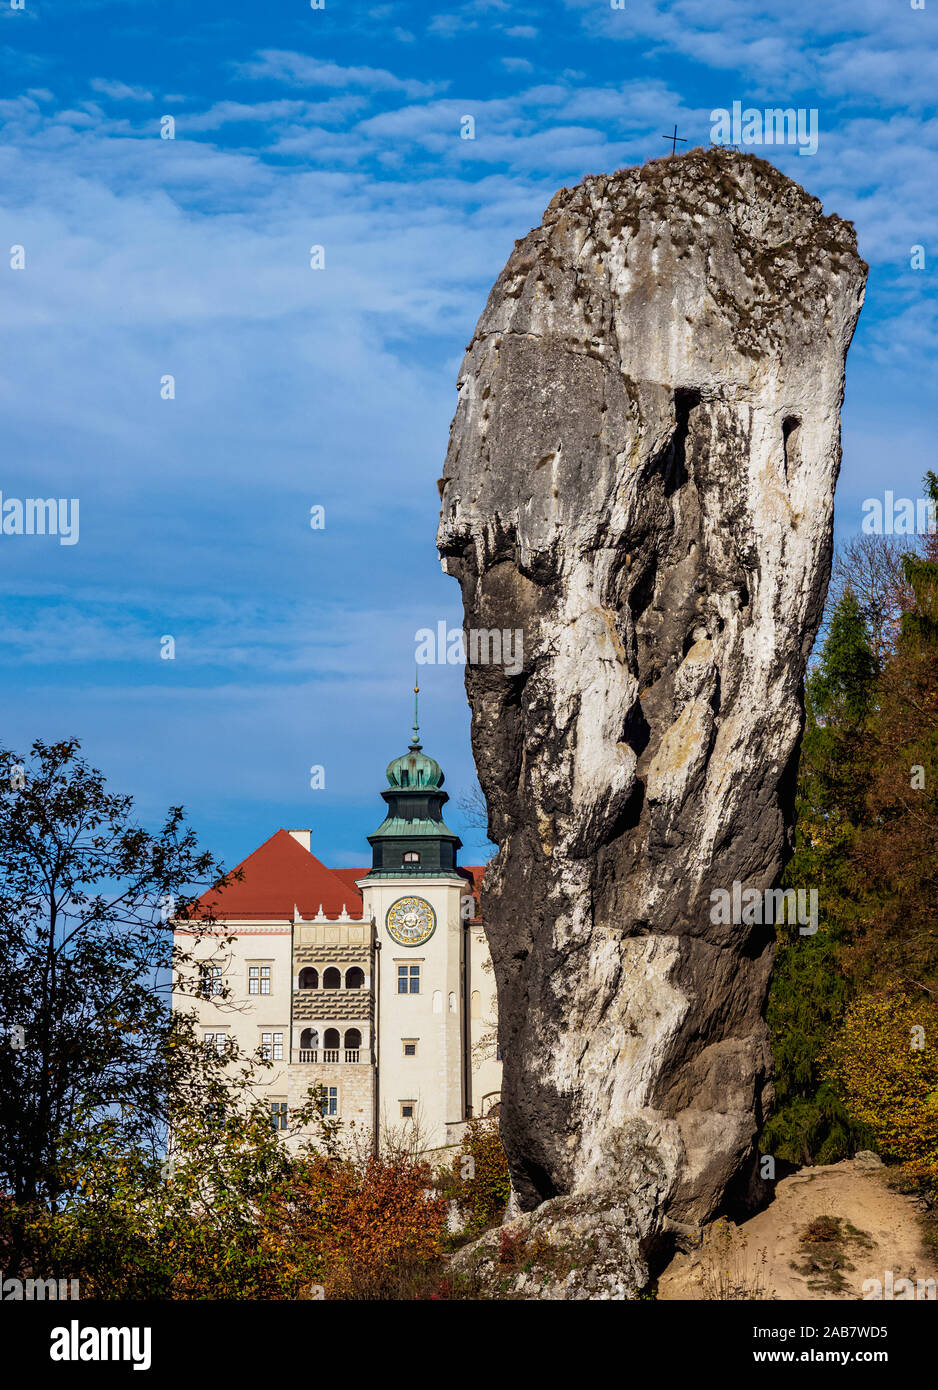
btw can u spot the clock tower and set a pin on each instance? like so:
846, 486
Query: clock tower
420, 903
413, 833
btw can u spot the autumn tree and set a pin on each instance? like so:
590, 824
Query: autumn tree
236, 1213
87, 899
885, 1061
898, 852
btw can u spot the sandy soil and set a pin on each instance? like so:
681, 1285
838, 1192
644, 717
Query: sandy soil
874, 1230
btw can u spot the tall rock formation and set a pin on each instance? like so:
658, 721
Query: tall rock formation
640, 478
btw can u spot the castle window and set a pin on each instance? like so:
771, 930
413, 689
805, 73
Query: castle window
309, 1045
330, 1100
331, 978
258, 979
410, 1046
412, 857
309, 978
331, 1043
278, 1114
407, 1109
408, 979
272, 1047
211, 982
355, 978
353, 1042
218, 1041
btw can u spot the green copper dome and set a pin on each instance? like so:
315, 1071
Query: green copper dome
415, 769
413, 840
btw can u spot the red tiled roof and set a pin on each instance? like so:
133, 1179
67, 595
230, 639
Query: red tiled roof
349, 876
279, 875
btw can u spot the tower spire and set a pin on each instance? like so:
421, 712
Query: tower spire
414, 833
415, 741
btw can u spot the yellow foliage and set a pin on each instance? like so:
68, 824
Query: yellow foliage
885, 1061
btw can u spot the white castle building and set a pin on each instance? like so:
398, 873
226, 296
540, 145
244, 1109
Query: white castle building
374, 983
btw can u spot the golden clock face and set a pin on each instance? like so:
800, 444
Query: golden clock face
411, 921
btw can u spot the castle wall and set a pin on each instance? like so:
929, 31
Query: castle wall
452, 1010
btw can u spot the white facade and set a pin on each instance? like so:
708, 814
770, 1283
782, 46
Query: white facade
423, 1012
402, 1036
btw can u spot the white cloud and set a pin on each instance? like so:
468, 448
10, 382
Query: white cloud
333, 111
119, 91
891, 54
75, 118
300, 70
447, 26
295, 387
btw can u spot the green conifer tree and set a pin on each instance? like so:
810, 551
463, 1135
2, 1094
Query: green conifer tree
809, 991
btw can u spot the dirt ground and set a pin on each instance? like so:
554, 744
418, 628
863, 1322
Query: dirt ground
860, 1230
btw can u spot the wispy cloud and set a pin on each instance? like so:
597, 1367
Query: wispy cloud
119, 91
859, 49
191, 258
300, 70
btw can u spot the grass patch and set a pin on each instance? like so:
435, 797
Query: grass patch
825, 1257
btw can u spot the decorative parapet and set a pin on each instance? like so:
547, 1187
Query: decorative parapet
343, 932
327, 1006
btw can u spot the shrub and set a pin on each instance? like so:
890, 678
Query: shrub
379, 1225
480, 1182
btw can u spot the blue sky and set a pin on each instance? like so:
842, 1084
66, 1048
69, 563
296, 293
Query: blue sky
340, 127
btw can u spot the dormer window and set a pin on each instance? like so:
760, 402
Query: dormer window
411, 857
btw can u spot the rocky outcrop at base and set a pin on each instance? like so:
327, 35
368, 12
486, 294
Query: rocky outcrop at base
568, 1248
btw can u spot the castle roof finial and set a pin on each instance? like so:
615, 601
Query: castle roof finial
415, 741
